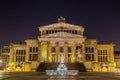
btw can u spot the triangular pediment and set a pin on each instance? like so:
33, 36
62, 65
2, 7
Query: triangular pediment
61, 24
61, 35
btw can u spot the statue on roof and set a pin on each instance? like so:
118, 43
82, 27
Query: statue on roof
61, 19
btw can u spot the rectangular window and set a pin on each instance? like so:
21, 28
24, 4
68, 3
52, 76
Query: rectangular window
92, 49
90, 57
72, 31
86, 49
75, 32
23, 58
61, 49
69, 50
16, 58
106, 59
53, 49
106, 52
36, 49
33, 57
33, 49
24, 52
47, 32
98, 58
20, 52
16, 52
99, 52
30, 49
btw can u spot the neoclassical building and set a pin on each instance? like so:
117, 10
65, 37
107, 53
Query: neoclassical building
66, 39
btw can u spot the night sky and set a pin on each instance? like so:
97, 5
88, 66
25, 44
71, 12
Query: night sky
19, 19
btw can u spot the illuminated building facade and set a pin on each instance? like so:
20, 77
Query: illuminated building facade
117, 59
62, 39
4, 57
5, 52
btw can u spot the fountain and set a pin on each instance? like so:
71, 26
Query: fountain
61, 68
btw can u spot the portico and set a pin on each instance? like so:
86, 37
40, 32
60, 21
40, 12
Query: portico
61, 38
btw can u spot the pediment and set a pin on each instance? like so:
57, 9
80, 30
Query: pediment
61, 24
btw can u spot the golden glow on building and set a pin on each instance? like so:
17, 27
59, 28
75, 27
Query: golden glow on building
43, 53
62, 38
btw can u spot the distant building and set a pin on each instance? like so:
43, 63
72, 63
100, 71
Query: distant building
117, 59
62, 38
4, 57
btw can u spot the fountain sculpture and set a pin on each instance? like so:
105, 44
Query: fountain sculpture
62, 69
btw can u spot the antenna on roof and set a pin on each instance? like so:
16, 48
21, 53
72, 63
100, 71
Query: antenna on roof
61, 19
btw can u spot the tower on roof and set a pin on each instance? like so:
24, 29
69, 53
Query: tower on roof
61, 19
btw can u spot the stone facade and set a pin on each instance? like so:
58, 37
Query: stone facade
117, 60
62, 39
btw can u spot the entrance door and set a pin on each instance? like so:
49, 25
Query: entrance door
69, 58
53, 58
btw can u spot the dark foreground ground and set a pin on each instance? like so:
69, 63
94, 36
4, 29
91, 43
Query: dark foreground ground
43, 76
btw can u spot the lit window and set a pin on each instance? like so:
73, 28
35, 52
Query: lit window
33, 49
69, 50
53, 49
75, 32
89, 57
47, 32
30, 49
61, 49
33, 57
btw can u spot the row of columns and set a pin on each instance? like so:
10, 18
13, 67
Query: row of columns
53, 31
65, 46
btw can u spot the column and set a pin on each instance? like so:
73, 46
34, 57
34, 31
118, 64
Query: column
27, 53
95, 54
39, 51
74, 53
57, 49
83, 53
14, 53
48, 51
65, 51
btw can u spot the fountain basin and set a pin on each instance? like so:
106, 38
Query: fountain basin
43, 67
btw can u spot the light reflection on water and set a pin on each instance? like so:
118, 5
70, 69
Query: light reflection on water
42, 76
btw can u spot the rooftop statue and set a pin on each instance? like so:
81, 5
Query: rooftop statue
61, 19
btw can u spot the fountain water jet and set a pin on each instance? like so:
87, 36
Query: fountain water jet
62, 69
